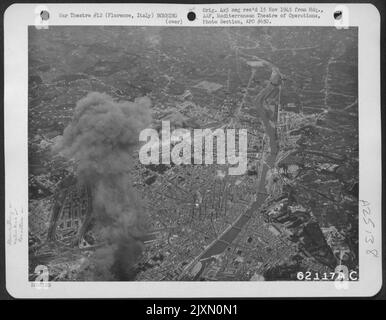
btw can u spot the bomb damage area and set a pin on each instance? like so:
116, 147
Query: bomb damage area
97, 213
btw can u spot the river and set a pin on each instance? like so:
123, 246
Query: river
229, 235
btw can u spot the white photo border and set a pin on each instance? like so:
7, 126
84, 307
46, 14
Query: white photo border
18, 17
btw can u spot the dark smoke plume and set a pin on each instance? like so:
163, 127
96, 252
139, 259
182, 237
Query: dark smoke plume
101, 139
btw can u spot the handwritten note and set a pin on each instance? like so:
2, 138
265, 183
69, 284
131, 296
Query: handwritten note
369, 228
15, 225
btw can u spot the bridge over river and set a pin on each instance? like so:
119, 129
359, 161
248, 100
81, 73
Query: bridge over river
229, 235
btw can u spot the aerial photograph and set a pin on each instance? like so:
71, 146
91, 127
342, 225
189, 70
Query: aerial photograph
192, 153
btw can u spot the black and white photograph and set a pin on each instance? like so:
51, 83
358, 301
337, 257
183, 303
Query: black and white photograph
98, 212
193, 151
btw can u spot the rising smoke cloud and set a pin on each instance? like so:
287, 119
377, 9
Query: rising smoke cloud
101, 139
